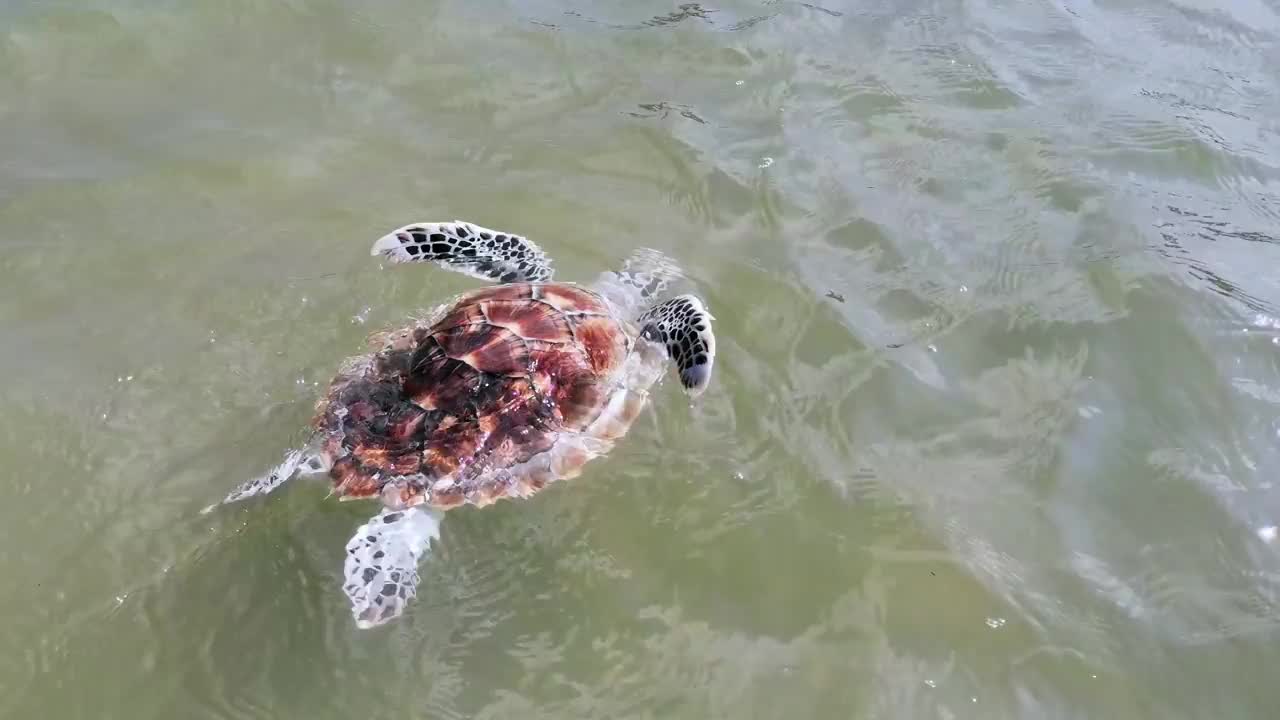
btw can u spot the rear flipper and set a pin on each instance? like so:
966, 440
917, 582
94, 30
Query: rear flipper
305, 462
381, 570
683, 325
469, 249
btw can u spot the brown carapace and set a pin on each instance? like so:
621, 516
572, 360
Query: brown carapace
509, 388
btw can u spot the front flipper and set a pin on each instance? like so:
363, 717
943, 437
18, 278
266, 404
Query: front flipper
469, 249
381, 570
643, 276
683, 325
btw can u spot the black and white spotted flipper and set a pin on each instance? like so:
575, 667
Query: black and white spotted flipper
469, 249
380, 575
683, 325
643, 276
296, 462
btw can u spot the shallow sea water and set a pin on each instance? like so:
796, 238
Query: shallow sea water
995, 426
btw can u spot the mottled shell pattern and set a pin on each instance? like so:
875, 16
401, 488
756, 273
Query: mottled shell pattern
508, 388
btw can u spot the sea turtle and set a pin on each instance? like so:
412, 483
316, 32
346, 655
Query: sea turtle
493, 395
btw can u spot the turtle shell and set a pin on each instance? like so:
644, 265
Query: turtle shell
509, 388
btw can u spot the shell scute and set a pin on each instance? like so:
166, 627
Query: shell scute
448, 449
512, 291
571, 298
459, 316
580, 402
528, 320
391, 460
352, 480
603, 341
486, 348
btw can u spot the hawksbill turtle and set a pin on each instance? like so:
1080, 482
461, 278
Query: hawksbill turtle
493, 395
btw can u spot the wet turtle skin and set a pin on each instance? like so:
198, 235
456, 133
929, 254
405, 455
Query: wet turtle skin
511, 387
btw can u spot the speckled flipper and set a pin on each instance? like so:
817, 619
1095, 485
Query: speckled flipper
381, 570
469, 249
643, 276
683, 325
296, 462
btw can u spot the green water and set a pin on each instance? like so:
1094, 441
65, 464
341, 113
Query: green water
995, 424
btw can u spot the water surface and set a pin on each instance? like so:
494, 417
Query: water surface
996, 417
